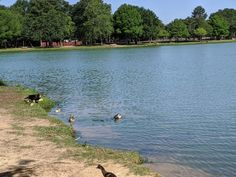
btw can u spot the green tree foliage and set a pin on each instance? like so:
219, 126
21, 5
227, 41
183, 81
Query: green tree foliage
20, 6
93, 20
178, 29
2, 7
230, 16
47, 20
10, 26
198, 20
163, 34
78, 11
191, 25
219, 25
200, 32
206, 26
128, 22
199, 13
151, 24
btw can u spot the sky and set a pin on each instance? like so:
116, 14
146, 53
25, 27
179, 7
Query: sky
166, 10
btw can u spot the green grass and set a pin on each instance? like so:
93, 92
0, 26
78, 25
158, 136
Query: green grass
61, 48
113, 46
197, 42
17, 129
26, 147
37, 110
61, 134
71, 48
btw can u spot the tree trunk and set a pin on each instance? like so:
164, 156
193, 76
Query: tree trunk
31, 44
101, 42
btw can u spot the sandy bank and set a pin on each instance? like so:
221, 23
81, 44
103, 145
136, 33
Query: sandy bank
25, 152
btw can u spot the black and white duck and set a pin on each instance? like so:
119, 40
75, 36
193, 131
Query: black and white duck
71, 119
117, 117
34, 98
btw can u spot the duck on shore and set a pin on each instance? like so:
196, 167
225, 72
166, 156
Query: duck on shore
34, 98
104, 172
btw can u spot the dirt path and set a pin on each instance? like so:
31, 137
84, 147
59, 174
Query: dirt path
23, 154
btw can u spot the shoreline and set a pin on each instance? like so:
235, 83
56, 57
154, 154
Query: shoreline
113, 46
56, 133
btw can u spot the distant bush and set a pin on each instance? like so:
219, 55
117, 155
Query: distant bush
2, 83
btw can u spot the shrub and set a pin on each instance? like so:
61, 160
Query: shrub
2, 83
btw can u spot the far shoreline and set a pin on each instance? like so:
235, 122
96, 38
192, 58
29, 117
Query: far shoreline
111, 46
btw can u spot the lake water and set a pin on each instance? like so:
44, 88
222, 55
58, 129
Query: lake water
178, 102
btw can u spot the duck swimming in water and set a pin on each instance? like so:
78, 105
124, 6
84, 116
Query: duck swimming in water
71, 119
117, 117
104, 172
58, 110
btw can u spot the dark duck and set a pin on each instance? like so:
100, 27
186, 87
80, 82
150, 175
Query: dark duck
104, 172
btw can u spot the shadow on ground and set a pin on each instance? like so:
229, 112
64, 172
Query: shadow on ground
22, 170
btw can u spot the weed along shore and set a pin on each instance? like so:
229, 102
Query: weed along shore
32, 143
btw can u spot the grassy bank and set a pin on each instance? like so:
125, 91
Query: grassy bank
61, 134
113, 46
71, 48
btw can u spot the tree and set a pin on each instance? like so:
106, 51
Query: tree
151, 24
2, 7
128, 22
20, 6
199, 12
191, 25
219, 25
163, 33
200, 32
178, 29
206, 26
47, 21
93, 20
198, 20
10, 26
230, 16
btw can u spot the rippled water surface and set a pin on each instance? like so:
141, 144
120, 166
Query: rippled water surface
179, 103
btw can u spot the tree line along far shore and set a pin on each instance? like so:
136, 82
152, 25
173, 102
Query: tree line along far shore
27, 22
